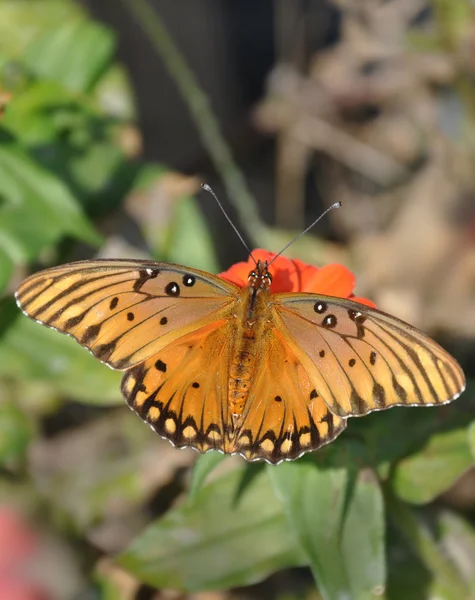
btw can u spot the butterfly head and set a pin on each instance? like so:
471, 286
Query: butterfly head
259, 278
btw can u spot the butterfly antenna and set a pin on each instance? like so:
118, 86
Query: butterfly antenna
207, 188
335, 205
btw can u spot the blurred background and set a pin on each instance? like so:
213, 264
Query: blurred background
111, 114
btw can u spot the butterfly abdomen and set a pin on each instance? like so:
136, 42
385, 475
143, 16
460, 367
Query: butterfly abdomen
251, 324
242, 369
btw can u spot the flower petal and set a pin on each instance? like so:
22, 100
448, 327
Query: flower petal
362, 300
331, 280
297, 276
236, 274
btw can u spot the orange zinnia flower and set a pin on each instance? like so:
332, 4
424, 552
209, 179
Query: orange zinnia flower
296, 276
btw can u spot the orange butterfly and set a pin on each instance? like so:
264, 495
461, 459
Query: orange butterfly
238, 366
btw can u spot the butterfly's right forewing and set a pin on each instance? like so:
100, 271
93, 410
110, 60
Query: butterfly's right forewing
362, 359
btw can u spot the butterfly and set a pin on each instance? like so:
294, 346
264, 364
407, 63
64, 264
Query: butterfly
239, 369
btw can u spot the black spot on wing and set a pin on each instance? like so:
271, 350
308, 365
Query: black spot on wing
400, 391
73, 321
359, 405
161, 366
379, 395
329, 322
104, 351
320, 307
409, 350
329, 420
90, 334
172, 289
189, 280
358, 318
144, 276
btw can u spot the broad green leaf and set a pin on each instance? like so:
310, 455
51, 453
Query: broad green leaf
205, 464
44, 112
234, 533
37, 207
338, 518
424, 475
31, 351
73, 141
74, 54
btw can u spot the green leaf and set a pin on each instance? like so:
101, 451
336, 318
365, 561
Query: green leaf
73, 141
205, 464
393, 434
32, 115
75, 54
37, 209
190, 242
425, 560
33, 352
20, 22
16, 432
338, 519
235, 533
172, 223
447, 454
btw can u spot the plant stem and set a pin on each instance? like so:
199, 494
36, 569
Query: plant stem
424, 545
205, 121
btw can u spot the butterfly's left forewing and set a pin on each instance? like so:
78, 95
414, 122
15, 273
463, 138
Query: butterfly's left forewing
361, 359
125, 310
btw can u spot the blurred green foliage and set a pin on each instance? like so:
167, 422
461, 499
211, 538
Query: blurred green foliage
356, 512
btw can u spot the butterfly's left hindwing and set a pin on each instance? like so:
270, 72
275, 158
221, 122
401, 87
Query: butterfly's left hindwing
362, 359
125, 310
182, 390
